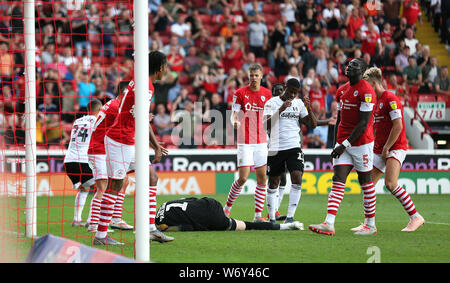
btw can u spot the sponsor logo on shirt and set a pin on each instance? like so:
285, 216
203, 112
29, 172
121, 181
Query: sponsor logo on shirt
368, 97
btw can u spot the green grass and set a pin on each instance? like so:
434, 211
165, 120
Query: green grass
431, 243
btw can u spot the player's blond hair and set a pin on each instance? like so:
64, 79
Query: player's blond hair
373, 74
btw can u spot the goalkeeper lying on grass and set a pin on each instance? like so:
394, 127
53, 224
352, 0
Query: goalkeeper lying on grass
206, 214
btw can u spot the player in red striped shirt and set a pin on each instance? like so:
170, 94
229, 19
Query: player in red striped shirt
354, 147
247, 118
390, 146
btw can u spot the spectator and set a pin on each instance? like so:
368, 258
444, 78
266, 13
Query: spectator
410, 41
192, 62
442, 81
180, 102
371, 40
331, 15
332, 115
69, 102
6, 63
108, 28
234, 57
163, 87
162, 19
258, 37
251, 59
215, 115
412, 75
173, 8
386, 36
332, 74
288, 8
353, 22
310, 77
281, 67
430, 70
252, 8
293, 74
399, 33
411, 11
309, 24
295, 58
162, 121
202, 40
193, 19
14, 126
48, 118
393, 86
345, 43
79, 34
227, 30
321, 63
391, 12
216, 7
323, 38
86, 89
175, 60
401, 60
179, 28
317, 94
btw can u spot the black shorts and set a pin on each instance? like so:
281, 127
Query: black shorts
193, 214
290, 159
78, 172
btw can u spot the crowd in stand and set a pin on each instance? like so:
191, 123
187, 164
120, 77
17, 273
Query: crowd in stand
87, 52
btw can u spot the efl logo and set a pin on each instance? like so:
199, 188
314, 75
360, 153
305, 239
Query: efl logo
373, 5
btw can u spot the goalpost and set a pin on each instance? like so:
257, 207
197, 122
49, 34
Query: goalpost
142, 107
30, 118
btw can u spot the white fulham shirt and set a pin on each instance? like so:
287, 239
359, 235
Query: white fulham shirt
80, 137
285, 132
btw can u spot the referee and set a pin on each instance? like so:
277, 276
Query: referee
206, 214
283, 116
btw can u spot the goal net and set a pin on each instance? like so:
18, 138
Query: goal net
83, 49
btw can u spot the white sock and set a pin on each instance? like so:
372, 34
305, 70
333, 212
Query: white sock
80, 200
294, 198
280, 196
370, 221
152, 227
330, 218
284, 226
272, 202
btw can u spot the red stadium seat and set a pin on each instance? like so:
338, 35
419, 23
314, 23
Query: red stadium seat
427, 98
206, 19
183, 79
262, 61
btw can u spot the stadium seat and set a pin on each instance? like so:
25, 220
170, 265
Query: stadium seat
206, 19
262, 61
427, 98
183, 79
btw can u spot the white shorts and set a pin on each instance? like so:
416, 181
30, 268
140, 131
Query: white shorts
120, 159
360, 157
249, 155
398, 154
97, 162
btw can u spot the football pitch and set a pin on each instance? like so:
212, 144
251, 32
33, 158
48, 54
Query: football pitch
429, 244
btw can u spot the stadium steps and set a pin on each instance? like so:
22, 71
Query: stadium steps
427, 36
